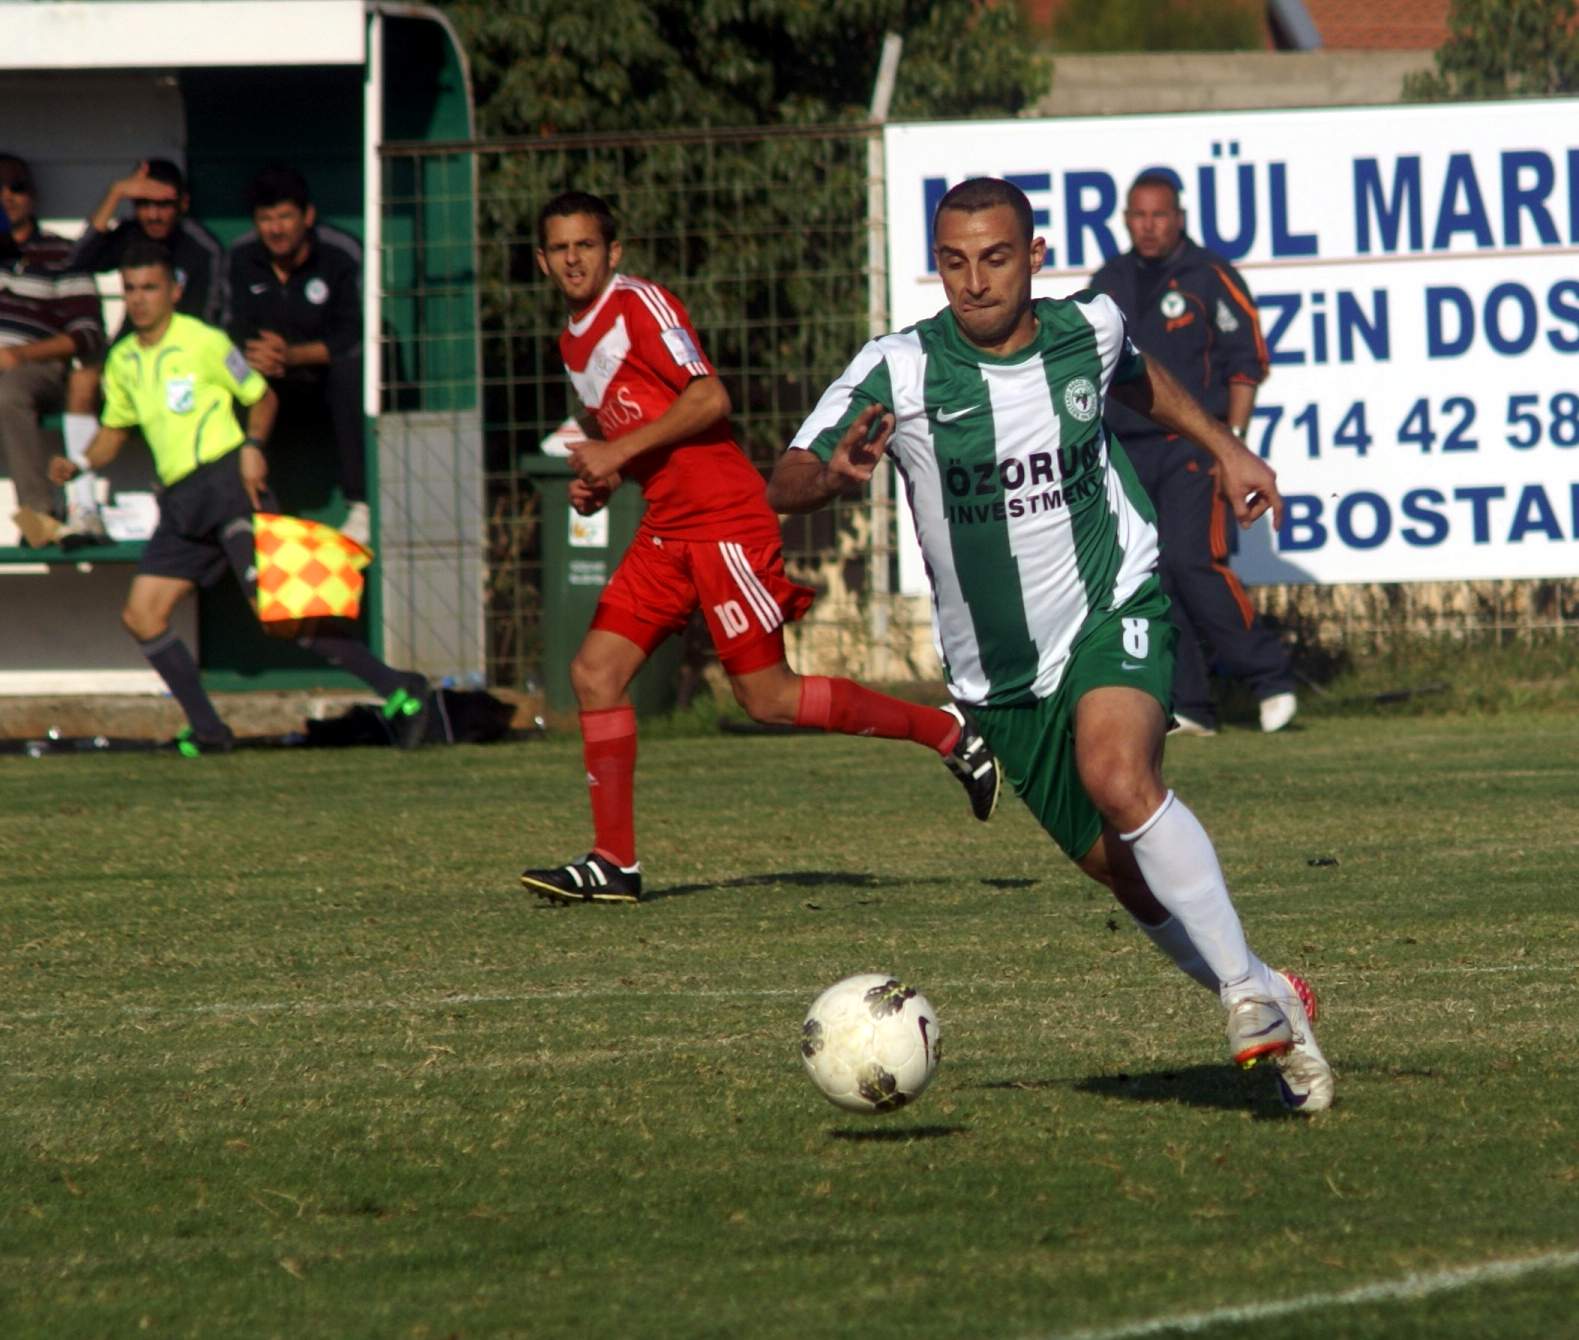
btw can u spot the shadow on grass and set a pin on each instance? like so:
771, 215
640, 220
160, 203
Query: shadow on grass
796, 879
847, 880
895, 1134
1211, 1086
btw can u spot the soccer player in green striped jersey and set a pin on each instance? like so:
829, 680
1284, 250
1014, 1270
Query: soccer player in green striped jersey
1041, 549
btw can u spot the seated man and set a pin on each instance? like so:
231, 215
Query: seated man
160, 201
158, 195
178, 381
48, 316
294, 295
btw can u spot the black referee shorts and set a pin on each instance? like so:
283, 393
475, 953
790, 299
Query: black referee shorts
196, 515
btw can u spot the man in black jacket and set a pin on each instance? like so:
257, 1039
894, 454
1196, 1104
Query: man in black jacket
1190, 310
160, 204
294, 292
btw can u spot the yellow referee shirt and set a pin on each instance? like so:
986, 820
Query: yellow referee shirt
180, 393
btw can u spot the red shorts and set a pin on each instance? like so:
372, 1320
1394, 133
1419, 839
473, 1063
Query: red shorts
742, 589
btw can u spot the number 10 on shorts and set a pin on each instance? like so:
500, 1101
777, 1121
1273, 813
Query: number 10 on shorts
731, 618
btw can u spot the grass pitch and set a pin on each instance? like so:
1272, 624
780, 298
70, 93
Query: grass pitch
288, 1054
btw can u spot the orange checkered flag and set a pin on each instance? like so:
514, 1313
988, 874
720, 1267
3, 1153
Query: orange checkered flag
306, 570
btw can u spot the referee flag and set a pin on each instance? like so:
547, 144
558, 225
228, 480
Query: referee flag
305, 569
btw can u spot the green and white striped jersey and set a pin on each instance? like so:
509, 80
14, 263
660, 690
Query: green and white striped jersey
1030, 521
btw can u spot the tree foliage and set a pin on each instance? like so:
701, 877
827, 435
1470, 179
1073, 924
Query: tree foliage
764, 238
763, 235
1146, 25
541, 68
1503, 49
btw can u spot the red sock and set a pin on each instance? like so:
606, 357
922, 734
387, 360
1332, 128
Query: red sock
843, 706
608, 746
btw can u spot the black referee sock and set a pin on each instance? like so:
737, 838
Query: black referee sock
350, 654
170, 657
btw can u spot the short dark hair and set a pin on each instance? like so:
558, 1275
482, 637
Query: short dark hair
278, 184
979, 193
566, 203
162, 169
140, 255
1152, 177
20, 172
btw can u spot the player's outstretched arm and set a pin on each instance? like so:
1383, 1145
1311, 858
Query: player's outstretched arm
803, 482
1248, 482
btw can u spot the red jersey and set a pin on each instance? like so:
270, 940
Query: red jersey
629, 356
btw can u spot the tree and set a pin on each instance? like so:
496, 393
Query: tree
540, 68
681, 113
766, 236
1503, 49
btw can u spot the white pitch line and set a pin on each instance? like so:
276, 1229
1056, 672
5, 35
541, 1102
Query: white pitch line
1409, 1287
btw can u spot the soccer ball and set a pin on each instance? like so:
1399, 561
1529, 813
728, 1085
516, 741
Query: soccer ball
871, 1043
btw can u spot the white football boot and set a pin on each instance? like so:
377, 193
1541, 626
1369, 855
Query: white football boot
1257, 1028
1304, 1078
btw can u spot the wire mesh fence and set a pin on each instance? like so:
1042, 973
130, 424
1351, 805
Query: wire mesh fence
764, 235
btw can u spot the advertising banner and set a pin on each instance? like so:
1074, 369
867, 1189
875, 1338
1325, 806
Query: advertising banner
1417, 274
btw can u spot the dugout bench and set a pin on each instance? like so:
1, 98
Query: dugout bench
89, 89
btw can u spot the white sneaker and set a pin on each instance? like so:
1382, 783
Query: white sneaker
1304, 1078
1277, 711
1188, 726
358, 524
84, 526
1257, 1028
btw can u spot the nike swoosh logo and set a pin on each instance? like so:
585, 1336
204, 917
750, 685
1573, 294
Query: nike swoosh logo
944, 416
1130, 665
256, 288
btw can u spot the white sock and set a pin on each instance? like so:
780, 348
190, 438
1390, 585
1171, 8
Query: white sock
1175, 943
82, 494
1177, 859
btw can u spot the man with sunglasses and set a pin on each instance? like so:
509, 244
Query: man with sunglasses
49, 315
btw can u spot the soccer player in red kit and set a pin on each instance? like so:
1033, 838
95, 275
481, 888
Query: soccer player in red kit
656, 413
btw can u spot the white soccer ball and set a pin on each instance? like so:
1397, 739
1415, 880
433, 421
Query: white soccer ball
871, 1043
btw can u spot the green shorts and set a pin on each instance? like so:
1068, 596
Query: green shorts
1035, 743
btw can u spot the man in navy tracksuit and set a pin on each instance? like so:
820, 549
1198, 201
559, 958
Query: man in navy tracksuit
1189, 309
294, 309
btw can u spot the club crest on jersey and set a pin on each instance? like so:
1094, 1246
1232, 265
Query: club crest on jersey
1080, 399
1227, 322
1172, 304
316, 291
180, 395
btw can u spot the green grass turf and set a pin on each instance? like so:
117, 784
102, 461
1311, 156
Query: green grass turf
287, 1053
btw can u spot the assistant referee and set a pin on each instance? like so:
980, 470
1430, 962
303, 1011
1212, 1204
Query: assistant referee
178, 382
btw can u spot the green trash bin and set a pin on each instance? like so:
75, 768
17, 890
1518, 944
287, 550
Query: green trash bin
579, 555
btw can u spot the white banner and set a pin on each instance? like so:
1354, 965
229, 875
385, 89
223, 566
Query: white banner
1415, 271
